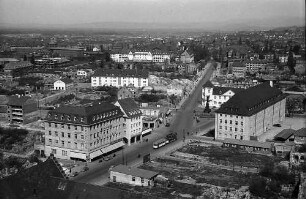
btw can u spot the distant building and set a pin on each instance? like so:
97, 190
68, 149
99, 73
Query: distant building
63, 84
186, 57
253, 66
124, 93
83, 132
10, 67
132, 176
300, 136
124, 55
283, 58
133, 119
250, 113
238, 69
20, 109
217, 95
3, 107
119, 78
67, 52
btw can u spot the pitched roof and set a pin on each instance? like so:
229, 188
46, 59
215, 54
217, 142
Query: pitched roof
208, 84
84, 114
284, 134
120, 73
301, 132
252, 100
250, 143
20, 100
129, 107
221, 90
134, 171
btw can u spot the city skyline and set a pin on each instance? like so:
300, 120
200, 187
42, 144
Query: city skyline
168, 13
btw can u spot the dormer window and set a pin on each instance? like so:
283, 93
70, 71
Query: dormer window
93, 118
55, 116
49, 115
75, 118
62, 117
82, 119
68, 118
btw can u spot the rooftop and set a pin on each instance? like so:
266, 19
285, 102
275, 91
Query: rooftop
301, 132
120, 73
129, 106
134, 171
222, 90
17, 100
252, 100
284, 134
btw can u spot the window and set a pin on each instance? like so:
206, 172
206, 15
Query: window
133, 179
241, 123
64, 153
230, 121
230, 128
225, 127
220, 127
69, 134
75, 127
142, 180
68, 126
220, 120
82, 137
53, 151
56, 141
63, 134
76, 145
55, 125
82, 128
75, 136
82, 145
63, 143
50, 141
49, 124
225, 121
62, 126
56, 133
50, 133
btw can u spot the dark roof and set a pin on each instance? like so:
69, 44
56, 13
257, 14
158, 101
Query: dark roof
90, 113
295, 89
45, 181
134, 171
284, 134
221, 90
67, 80
252, 100
250, 143
62, 48
120, 73
208, 84
129, 107
301, 132
22, 184
20, 100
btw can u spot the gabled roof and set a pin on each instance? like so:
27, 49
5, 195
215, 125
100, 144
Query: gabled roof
20, 100
66, 80
134, 171
129, 107
301, 132
221, 90
208, 84
252, 100
284, 134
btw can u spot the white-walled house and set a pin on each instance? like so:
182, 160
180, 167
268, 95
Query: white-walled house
63, 84
119, 78
132, 176
217, 95
133, 119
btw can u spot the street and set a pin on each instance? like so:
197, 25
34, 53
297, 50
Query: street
183, 123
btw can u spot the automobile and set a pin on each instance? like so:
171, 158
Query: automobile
167, 124
277, 125
107, 158
85, 169
73, 174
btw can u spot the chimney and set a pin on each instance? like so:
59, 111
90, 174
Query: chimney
271, 83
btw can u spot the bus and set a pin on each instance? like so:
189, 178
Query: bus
159, 143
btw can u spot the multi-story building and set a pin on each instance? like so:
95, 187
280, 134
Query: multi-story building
250, 113
84, 132
238, 69
216, 95
156, 56
253, 66
20, 109
133, 119
187, 57
119, 78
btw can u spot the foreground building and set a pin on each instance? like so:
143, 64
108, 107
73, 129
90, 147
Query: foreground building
133, 119
120, 78
132, 176
83, 132
250, 113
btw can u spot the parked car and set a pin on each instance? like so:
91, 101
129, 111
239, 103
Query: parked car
85, 169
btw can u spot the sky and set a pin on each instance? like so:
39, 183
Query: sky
158, 11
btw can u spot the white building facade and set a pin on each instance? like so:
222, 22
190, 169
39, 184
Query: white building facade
120, 78
63, 84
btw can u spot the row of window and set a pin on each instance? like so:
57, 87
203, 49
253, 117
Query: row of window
65, 135
65, 144
230, 122
64, 153
66, 126
225, 115
230, 128
231, 136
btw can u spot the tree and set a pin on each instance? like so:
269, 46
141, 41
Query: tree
296, 49
32, 60
291, 62
257, 186
25, 58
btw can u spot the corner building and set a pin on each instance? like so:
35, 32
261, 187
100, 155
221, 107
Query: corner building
84, 132
250, 113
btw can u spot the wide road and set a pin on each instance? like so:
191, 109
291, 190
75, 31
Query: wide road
183, 122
